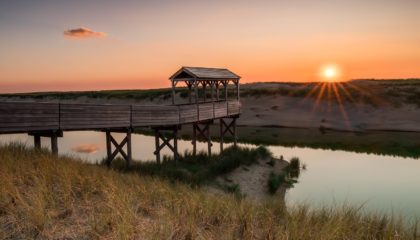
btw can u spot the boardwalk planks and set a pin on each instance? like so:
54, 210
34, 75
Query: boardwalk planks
94, 116
155, 115
16, 117
28, 116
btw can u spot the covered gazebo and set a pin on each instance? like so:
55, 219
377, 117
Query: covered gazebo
208, 78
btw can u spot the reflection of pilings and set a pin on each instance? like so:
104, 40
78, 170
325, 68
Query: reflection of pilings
202, 130
53, 135
166, 141
227, 127
119, 147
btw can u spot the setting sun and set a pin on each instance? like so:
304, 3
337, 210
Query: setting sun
330, 73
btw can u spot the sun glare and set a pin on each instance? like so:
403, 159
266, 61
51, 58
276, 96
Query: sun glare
330, 73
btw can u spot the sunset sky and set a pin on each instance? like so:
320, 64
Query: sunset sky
102, 44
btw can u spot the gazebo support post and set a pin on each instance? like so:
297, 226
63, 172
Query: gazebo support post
173, 92
196, 91
189, 92
217, 90
225, 85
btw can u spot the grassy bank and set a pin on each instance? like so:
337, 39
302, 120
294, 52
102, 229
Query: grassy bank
201, 169
42, 196
405, 144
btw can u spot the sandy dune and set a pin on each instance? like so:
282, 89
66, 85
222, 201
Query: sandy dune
299, 112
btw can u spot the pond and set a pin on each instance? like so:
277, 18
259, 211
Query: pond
383, 184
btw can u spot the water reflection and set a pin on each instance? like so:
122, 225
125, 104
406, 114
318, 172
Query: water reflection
90, 146
86, 148
380, 183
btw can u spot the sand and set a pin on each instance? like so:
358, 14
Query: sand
253, 179
304, 113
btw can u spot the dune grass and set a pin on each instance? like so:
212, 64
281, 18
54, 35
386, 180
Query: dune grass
48, 197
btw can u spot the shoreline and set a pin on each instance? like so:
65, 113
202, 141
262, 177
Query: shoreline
332, 129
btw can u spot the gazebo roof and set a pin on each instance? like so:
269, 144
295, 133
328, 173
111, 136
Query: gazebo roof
202, 73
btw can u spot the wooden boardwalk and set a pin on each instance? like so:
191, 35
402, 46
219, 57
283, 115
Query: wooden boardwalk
27, 117
52, 119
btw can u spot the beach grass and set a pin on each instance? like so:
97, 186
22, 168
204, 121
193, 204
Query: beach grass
48, 197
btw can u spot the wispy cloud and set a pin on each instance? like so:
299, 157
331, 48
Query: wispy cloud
83, 32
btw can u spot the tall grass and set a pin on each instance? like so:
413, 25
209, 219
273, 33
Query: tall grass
48, 197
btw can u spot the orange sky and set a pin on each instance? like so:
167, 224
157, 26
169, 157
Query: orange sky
101, 44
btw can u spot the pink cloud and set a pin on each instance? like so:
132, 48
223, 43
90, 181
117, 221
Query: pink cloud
83, 32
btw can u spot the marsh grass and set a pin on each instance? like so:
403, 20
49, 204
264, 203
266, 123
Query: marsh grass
48, 197
402, 144
201, 168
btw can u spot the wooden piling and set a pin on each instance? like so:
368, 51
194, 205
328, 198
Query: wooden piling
54, 144
209, 144
37, 141
221, 134
108, 148
235, 138
157, 145
194, 140
129, 153
175, 132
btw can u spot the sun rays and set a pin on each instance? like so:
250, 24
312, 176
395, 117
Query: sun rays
336, 97
331, 93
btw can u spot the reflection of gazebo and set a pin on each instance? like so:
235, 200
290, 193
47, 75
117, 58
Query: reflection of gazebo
213, 78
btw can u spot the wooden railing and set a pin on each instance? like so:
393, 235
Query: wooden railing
18, 117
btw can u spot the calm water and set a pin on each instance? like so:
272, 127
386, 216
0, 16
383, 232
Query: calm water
379, 183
